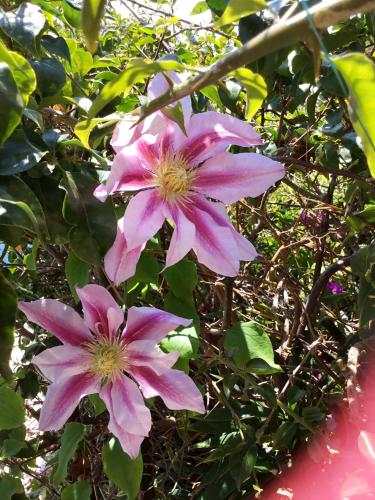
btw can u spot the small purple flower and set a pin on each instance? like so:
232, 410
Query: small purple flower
334, 287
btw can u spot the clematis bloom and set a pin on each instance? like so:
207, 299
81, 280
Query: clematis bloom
177, 177
94, 358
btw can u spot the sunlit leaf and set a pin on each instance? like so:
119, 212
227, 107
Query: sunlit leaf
92, 14
239, 8
359, 75
255, 86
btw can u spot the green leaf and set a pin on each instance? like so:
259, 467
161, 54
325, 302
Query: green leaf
94, 223
18, 155
11, 103
250, 348
241, 473
137, 71
50, 75
12, 412
199, 8
148, 269
186, 342
77, 273
363, 264
56, 45
22, 72
72, 436
72, 13
182, 278
8, 309
10, 486
255, 86
20, 207
80, 490
30, 259
81, 62
359, 75
239, 8
24, 24
125, 473
92, 14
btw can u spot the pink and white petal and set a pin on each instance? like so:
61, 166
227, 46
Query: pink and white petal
57, 318
159, 85
182, 237
120, 263
128, 174
214, 244
61, 361
127, 412
125, 132
149, 323
62, 398
217, 211
143, 217
211, 133
147, 353
228, 177
101, 312
177, 389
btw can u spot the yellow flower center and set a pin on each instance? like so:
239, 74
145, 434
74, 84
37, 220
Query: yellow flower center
107, 357
174, 176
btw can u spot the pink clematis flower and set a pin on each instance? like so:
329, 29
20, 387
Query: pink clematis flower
94, 359
178, 176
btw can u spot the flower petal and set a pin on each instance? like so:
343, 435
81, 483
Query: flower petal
147, 353
59, 319
129, 416
211, 133
143, 217
177, 389
101, 312
159, 85
62, 397
149, 323
217, 211
127, 173
214, 244
182, 237
229, 177
119, 263
61, 362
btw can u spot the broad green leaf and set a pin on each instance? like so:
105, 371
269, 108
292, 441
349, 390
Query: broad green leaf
84, 128
182, 278
186, 342
77, 273
94, 223
72, 436
20, 207
10, 486
80, 490
359, 74
8, 308
11, 103
256, 89
24, 24
148, 269
72, 13
250, 348
81, 62
92, 14
199, 8
22, 72
239, 8
56, 45
12, 412
18, 154
125, 473
50, 75
137, 71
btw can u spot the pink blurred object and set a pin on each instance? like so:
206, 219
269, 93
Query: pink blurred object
339, 463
